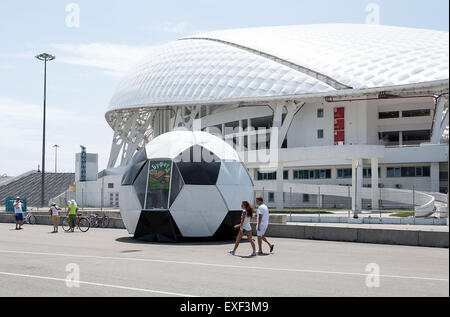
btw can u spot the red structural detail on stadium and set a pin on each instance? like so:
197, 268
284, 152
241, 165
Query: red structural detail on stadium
339, 113
339, 125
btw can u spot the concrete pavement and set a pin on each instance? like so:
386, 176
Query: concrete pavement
34, 262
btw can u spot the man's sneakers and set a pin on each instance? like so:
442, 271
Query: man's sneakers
271, 248
253, 254
231, 252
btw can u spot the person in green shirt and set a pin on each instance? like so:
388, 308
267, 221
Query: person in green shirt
72, 210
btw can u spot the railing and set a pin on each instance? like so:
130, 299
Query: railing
424, 203
63, 199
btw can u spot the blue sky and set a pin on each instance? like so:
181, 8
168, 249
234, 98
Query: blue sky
112, 35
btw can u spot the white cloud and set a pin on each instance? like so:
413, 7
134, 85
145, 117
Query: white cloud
114, 59
21, 136
171, 27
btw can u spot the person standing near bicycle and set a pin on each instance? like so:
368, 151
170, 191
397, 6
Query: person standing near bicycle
72, 210
54, 212
18, 212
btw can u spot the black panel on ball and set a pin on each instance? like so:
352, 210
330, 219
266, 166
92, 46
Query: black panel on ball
140, 184
226, 231
199, 173
134, 167
132, 173
157, 226
198, 166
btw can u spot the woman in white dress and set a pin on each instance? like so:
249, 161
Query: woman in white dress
245, 227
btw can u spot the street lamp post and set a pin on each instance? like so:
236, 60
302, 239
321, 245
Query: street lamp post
56, 146
45, 58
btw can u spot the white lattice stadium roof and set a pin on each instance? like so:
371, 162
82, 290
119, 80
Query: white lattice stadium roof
282, 61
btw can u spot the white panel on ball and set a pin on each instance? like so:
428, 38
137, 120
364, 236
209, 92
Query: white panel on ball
178, 140
234, 195
234, 173
221, 149
182, 140
198, 210
131, 210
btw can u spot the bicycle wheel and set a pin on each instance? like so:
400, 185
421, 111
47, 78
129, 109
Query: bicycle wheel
84, 224
92, 221
105, 222
32, 220
65, 224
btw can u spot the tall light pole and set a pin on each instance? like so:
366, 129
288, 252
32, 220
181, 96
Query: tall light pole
45, 58
56, 146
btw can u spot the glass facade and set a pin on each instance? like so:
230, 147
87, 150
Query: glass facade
319, 113
320, 134
411, 171
344, 173
389, 115
416, 113
313, 174
266, 176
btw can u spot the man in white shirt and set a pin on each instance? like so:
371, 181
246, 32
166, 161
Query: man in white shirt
262, 222
18, 213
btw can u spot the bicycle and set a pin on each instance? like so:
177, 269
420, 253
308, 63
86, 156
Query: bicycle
97, 221
81, 223
30, 219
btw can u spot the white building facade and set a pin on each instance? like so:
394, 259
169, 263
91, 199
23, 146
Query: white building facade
351, 105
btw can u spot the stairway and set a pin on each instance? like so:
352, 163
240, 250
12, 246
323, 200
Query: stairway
28, 186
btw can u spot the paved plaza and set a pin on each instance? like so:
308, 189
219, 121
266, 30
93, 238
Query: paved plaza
108, 262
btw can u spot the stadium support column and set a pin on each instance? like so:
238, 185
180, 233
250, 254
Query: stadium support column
279, 194
291, 108
357, 179
375, 180
434, 174
241, 136
249, 136
440, 122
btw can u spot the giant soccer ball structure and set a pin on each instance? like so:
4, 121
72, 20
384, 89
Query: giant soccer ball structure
184, 185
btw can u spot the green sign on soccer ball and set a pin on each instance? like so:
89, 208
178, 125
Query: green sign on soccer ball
159, 174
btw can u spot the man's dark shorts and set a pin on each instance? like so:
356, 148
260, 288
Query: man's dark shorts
19, 217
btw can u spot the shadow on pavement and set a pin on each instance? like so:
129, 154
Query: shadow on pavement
130, 251
131, 240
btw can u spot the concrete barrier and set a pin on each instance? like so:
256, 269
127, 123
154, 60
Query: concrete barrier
331, 233
278, 219
115, 223
368, 220
389, 236
423, 238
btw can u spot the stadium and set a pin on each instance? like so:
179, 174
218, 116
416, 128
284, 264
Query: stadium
357, 115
